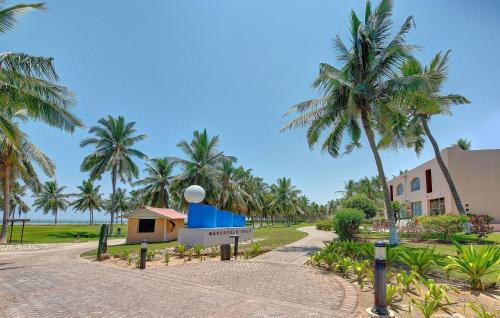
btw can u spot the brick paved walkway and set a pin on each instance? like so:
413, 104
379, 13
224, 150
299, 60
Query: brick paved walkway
59, 284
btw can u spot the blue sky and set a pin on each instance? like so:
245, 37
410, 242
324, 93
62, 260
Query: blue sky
234, 67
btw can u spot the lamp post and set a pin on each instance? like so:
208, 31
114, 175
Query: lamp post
380, 303
236, 237
144, 248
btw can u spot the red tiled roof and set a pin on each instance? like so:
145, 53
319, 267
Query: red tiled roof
169, 213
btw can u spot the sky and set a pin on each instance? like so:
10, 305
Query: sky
234, 68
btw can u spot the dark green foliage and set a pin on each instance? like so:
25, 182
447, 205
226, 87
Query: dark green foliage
324, 225
481, 225
363, 203
346, 223
442, 225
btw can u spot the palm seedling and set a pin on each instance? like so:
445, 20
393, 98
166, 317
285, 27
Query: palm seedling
408, 280
198, 250
420, 260
181, 250
476, 263
480, 311
360, 270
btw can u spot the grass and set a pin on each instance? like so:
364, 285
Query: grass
61, 233
272, 237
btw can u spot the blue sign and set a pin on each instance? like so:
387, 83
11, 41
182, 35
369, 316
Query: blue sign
207, 216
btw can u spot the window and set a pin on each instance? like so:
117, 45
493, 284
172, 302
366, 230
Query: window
416, 208
437, 206
428, 180
415, 184
146, 225
400, 189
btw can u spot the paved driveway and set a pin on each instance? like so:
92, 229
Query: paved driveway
57, 283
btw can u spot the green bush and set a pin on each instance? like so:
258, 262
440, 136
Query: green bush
419, 260
442, 225
324, 225
362, 203
346, 223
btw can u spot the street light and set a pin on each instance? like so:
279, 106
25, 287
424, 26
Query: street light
379, 289
144, 247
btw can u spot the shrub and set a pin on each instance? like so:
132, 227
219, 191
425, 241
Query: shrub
190, 254
427, 306
407, 280
475, 263
391, 291
346, 223
361, 271
362, 203
255, 248
181, 250
150, 255
214, 250
198, 250
324, 225
124, 255
411, 229
481, 225
442, 225
420, 260
167, 257
380, 224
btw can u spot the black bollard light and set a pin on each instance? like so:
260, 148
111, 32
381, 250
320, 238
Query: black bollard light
144, 249
380, 303
236, 237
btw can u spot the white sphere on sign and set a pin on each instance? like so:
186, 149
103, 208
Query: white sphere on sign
194, 194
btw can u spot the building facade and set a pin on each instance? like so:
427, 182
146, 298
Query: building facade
153, 225
476, 173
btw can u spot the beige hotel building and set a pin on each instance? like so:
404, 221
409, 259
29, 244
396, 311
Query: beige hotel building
424, 191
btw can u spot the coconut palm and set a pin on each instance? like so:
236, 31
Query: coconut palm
51, 199
285, 198
113, 141
17, 203
88, 199
419, 103
156, 184
121, 202
202, 166
352, 94
28, 91
232, 194
464, 144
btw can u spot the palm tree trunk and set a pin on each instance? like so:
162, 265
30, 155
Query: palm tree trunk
55, 216
6, 204
90, 216
444, 169
393, 234
112, 212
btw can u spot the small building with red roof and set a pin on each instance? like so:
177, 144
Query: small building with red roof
153, 224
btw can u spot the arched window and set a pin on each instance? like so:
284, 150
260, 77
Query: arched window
415, 184
400, 189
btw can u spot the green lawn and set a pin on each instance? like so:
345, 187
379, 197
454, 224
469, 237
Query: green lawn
272, 237
61, 233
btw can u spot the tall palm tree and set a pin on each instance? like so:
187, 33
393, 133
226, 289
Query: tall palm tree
28, 91
464, 144
156, 184
285, 198
88, 199
113, 141
352, 94
202, 166
419, 103
17, 203
51, 199
233, 195
121, 203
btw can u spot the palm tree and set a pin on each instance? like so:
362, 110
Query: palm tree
17, 192
352, 94
420, 103
113, 142
202, 166
51, 199
464, 144
233, 195
28, 92
285, 198
88, 199
156, 184
121, 202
